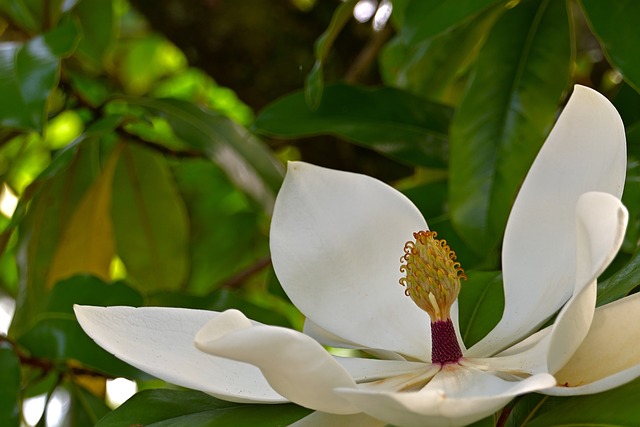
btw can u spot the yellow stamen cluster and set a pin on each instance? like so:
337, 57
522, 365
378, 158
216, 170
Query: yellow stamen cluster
432, 275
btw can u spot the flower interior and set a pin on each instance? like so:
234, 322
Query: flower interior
432, 281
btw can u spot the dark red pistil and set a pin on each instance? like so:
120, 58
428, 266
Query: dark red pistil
444, 344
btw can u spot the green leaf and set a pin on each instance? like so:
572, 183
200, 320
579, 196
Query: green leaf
196, 86
56, 193
9, 386
613, 408
616, 26
245, 159
226, 229
435, 68
522, 408
86, 408
481, 303
28, 74
427, 18
57, 335
621, 282
161, 407
506, 111
86, 244
430, 198
485, 422
149, 220
98, 29
630, 199
390, 121
314, 82
59, 163
22, 13
626, 102
91, 89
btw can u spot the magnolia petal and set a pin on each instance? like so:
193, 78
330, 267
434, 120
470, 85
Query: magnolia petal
295, 365
601, 223
550, 352
457, 396
160, 341
585, 151
336, 242
322, 419
601, 220
609, 356
367, 370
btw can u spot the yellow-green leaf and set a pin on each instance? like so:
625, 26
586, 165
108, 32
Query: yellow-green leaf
87, 243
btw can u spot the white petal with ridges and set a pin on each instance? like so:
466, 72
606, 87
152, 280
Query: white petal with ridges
159, 341
295, 365
601, 220
585, 151
363, 370
609, 356
336, 242
457, 396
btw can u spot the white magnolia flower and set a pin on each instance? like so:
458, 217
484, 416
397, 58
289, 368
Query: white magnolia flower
336, 240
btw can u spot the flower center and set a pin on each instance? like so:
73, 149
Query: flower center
432, 281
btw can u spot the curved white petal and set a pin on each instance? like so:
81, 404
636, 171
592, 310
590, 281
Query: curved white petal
584, 152
601, 220
366, 370
295, 365
336, 242
601, 223
457, 396
160, 341
609, 356
322, 419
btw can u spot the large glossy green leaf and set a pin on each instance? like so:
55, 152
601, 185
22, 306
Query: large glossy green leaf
98, 29
86, 244
626, 102
616, 26
390, 121
9, 386
434, 68
245, 159
57, 335
427, 18
57, 192
621, 282
613, 408
28, 74
59, 163
160, 407
430, 198
23, 13
226, 233
509, 106
149, 220
630, 198
86, 408
481, 303
314, 83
